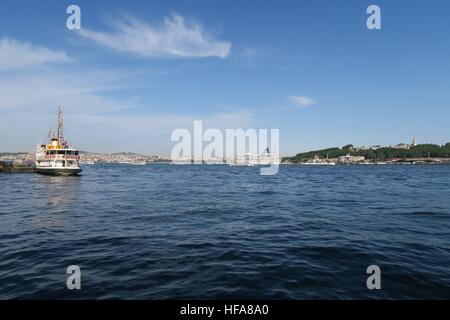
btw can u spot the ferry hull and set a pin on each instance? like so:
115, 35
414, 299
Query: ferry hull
59, 171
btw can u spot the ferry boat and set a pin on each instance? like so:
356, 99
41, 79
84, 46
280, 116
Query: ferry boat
57, 157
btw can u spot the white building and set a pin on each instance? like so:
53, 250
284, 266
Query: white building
350, 159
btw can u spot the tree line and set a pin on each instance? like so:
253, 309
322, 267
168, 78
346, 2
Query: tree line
380, 154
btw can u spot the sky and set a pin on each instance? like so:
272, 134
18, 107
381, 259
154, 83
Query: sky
137, 70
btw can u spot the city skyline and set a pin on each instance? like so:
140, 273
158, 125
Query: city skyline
128, 78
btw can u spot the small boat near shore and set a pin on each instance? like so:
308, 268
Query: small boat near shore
316, 161
57, 157
138, 163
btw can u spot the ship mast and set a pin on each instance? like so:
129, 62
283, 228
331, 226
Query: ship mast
60, 135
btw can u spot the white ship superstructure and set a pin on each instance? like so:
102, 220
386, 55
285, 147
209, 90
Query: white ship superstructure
250, 160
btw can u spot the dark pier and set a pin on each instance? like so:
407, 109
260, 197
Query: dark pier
9, 166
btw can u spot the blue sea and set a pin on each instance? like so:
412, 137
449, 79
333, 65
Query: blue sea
217, 232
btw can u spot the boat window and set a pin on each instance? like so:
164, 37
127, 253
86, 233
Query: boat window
76, 153
61, 151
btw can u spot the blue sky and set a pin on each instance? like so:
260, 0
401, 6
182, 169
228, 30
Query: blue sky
139, 69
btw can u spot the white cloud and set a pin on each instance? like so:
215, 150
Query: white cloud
94, 120
28, 90
173, 38
302, 101
18, 55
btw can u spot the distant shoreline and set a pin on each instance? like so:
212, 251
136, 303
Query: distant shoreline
401, 153
398, 154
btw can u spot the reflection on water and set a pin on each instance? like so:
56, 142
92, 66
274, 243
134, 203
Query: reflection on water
57, 195
60, 191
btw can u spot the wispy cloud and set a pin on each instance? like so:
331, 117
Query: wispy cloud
95, 119
174, 38
18, 55
302, 101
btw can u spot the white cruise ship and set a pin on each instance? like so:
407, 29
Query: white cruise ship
249, 160
57, 157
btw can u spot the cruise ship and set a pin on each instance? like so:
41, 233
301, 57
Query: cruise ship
57, 157
249, 160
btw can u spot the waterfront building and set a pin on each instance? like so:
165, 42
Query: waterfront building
347, 159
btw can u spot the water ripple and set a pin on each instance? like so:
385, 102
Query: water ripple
163, 231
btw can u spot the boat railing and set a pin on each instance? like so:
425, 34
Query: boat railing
61, 157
